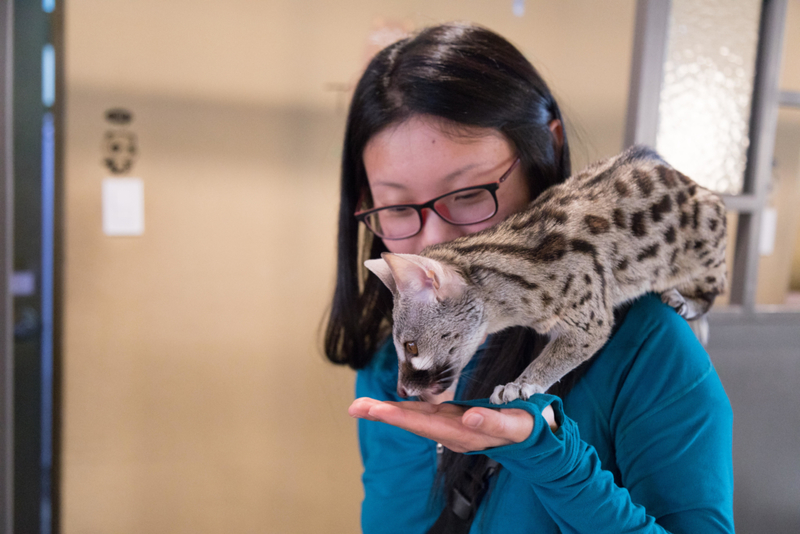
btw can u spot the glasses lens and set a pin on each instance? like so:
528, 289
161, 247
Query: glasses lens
467, 207
394, 223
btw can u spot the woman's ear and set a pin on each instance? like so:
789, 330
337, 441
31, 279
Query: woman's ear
557, 129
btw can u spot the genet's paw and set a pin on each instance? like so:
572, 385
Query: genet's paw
513, 391
675, 300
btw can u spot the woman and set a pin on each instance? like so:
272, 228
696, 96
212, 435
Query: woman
636, 440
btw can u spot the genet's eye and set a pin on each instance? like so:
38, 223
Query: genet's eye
411, 347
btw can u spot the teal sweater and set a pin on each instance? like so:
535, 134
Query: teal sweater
644, 445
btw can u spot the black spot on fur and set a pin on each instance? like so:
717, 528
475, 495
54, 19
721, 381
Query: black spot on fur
643, 182
621, 188
674, 255
587, 278
602, 177
551, 248
658, 209
478, 273
692, 190
649, 252
670, 235
681, 198
684, 219
667, 176
711, 279
567, 284
621, 266
619, 219
713, 224
699, 244
547, 300
563, 201
445, 336
683, 178
696, 219
558, 216
638, 225
597, 225
579, 245
526, 301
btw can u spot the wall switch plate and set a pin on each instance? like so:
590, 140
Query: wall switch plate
123, 206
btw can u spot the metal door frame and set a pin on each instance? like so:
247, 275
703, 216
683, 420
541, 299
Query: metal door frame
6, 268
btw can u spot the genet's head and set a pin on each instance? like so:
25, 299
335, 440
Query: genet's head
439, 321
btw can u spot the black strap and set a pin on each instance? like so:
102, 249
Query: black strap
463, 502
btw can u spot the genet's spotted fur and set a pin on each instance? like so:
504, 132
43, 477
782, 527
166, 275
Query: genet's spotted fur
621, 228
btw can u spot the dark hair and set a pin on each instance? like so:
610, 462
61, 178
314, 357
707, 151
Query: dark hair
465, 76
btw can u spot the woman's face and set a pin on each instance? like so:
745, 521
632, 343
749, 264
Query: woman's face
416, 161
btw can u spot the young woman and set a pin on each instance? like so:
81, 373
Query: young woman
636, 440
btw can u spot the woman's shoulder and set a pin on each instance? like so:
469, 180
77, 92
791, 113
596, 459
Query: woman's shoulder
652, 333
653, 359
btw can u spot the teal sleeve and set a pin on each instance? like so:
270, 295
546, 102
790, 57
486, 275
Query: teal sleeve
399, 467
566, 474
671, 424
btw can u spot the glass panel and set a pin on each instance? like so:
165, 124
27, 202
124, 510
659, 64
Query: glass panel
704, 113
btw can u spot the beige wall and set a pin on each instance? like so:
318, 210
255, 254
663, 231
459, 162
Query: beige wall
196, 399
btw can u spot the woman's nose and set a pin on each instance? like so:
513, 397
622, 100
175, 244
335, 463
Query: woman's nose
437, 230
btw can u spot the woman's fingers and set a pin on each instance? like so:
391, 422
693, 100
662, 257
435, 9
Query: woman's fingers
455, 427
514, 424
442, 425
361, 406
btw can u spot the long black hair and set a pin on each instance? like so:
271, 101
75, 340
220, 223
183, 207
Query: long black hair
465, 76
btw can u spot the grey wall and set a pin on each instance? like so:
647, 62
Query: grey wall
758, 360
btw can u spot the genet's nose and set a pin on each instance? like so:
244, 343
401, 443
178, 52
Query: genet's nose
402, 392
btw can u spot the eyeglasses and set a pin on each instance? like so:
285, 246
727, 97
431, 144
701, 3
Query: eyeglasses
469, 205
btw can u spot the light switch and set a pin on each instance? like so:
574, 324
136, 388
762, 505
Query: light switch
123, 206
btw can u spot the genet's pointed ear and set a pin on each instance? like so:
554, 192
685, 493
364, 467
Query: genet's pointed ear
424, 278
381, 269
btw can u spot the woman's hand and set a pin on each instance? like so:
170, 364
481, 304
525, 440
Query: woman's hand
456, 427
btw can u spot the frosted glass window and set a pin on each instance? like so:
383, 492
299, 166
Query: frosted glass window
707, 89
